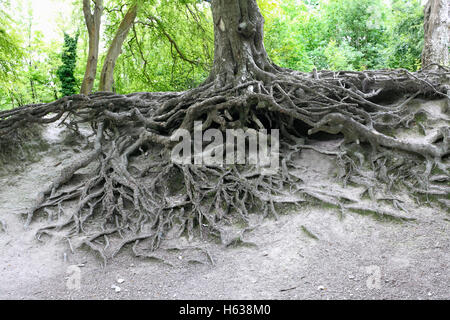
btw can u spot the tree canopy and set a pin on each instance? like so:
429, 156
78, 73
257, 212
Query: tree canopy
170, 45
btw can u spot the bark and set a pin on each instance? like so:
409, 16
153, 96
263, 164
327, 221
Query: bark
239, 48
93, 23
437, 33
107, 75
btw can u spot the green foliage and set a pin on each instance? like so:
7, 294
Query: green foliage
287, 37
33, 60
170, 47
357, 26
341, 57
66, 70
333, 34
406, 37
10, 52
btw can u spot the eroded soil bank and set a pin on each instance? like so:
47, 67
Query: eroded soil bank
309, 253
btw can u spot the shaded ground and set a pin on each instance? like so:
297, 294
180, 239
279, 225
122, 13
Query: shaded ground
309, 253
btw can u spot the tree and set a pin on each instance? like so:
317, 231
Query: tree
11, 54
162, 56
33, 60
138, 194
93, 24
406, 35
437, 33
115, 48
66, 70
358, 27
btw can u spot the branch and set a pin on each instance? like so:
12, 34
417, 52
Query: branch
168, 36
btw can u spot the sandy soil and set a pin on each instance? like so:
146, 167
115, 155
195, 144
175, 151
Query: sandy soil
354, 257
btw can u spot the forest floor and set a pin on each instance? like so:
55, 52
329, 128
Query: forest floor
308, 253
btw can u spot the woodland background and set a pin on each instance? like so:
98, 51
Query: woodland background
170, 46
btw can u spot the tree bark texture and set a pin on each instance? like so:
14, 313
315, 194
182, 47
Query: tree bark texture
93, 23
437, 33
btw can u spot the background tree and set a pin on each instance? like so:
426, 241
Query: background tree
10, 50
93, 24
161, 56
37, 62
66, 70
131, 197
11, 54
170, 46
115, 48
405, 35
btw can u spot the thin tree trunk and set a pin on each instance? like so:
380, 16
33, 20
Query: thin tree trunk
33, 91
115, 49
437, 33
30, 63
93, 23
239, 47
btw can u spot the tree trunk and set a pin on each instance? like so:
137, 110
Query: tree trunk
239, 48
93, 22
437, 24
107, 76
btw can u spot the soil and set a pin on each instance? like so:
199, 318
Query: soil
310, 252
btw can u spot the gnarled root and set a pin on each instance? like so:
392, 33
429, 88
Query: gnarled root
132, 198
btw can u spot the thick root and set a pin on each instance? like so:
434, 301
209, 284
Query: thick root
130, 199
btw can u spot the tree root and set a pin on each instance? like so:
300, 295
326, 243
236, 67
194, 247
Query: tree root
130, 199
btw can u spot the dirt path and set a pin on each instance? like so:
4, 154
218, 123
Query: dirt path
307, 254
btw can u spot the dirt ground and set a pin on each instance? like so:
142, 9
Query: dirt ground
308, 253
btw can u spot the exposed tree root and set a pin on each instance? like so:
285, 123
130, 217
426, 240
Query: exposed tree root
21, 145
133, 198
